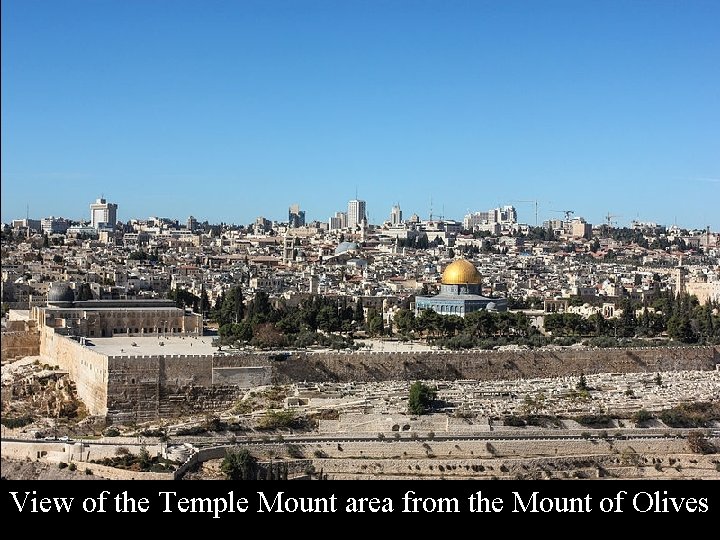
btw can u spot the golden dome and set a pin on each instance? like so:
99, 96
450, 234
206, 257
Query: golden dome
461, 272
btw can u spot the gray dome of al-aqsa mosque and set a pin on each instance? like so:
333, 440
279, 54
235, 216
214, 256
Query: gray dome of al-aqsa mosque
60, 294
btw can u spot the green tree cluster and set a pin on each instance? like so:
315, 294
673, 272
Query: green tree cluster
239, 465
420, 398
681, 317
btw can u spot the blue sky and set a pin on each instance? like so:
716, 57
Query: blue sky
228, 110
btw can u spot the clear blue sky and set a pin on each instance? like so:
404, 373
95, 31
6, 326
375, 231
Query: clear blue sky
228, 110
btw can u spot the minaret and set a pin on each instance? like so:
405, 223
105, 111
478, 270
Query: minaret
363, 230
679, 278
288, 248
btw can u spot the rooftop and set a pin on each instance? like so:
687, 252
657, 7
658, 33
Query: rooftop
139, 346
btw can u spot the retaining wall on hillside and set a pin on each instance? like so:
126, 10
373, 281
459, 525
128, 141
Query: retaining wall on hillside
141, 388
19, 344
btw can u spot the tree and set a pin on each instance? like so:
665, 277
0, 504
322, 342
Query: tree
420, 398
239, 465
375, 323
598, 322
204, 300
232, 309
265, 335
582, 383
405, 320
680, 328
641, 417
627, 322
144, 459
429, 321
359, 312
533, 405
260, 310
184, 298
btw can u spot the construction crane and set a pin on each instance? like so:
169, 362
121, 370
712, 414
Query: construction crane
536, 209
567, 213
609, 219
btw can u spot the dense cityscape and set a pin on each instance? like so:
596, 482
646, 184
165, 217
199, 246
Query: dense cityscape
254, 297
318, 240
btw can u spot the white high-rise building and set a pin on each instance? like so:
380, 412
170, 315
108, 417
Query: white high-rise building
103, 213
505, 215
356, 213
338, 221
396, 215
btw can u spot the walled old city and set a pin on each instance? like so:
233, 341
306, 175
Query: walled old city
415, 348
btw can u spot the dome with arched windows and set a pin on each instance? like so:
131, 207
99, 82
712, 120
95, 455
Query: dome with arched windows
460, 293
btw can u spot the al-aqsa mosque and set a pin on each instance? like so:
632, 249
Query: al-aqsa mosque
460, 293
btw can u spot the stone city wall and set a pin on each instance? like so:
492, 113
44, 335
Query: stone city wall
480, 365
31, 450
133, 388
142, 388
87, 369
112, 473
150, 387
18, 344
295, 466
80, 453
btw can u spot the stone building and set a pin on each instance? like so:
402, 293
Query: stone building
460, 293
107, 318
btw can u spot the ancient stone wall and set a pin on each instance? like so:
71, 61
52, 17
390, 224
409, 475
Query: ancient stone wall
246, 377
81, 454
18, 344
112, 473
133, 388
484, 365
150, 387
87, 368
141, 388
181, 401
187, 370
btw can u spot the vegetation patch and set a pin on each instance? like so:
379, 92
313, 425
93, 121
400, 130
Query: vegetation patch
142, 462
285, 419
326, 414
691, 415
595, 420
12, 422
420, 398
542, 420
514, 421
642, 417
